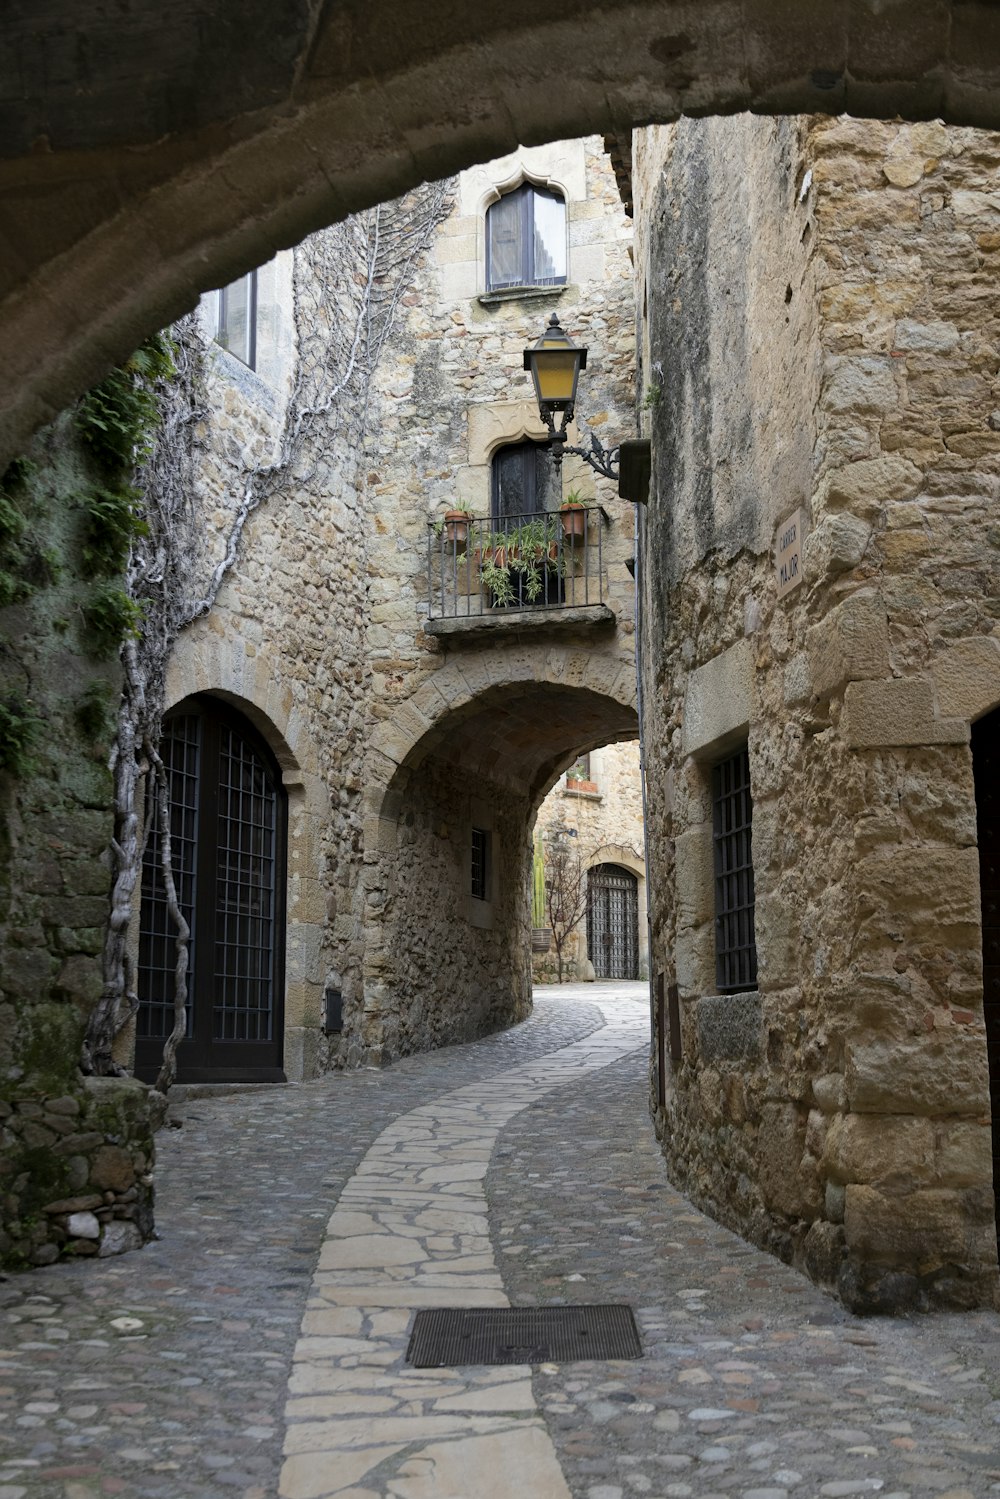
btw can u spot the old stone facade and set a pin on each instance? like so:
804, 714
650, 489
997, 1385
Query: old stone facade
820, 356
405, 712
595, 815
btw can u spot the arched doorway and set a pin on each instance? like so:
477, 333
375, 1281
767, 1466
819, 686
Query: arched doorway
228, 838
613, 922
986, 770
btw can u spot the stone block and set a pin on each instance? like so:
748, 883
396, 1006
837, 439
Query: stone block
695, 959
899, 711
851, 644
729, 1027
865, 487
967, 677
964, 1153
837, 544
718, 700
695, 886
914, 1231
943, 1073
864, 384
111, 1169
119, 1238
892, 1151
787, 1174
932, 337
83, 1226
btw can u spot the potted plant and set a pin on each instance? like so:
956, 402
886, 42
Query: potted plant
454, 527
512, 563
573, 513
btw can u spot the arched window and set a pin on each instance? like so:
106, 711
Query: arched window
526, 239
228, 820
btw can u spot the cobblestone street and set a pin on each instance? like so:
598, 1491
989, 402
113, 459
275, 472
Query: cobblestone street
256, 1348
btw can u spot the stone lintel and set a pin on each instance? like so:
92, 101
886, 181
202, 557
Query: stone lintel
503, 622
718, 700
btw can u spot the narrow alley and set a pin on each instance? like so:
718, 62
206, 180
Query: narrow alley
258, 1346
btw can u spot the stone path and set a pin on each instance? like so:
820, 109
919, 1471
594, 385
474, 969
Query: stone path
411, 1231
181, 1372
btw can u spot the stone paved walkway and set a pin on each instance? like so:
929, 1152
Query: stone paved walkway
183, 1371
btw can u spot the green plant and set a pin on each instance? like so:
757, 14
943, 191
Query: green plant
109, 617
118, 418
521, 552
93, 712
111, 521
652, 396
19, 727
576, 497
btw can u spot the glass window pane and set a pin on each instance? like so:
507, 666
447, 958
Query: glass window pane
549, 239
236, 318
505, 232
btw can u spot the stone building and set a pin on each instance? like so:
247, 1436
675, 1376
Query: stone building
593, 818
820, 606
415, 724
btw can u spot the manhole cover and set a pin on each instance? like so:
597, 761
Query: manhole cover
522, 1335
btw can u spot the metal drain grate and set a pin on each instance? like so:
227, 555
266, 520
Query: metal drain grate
521, 1335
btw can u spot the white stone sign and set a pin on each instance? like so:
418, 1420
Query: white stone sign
788, 552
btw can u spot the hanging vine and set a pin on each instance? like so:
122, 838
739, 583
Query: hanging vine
347, 285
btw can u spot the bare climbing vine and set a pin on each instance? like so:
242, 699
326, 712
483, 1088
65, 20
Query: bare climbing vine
348, 281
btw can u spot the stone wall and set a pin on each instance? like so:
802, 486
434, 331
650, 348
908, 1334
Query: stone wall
67, 1145
603, 815
821, 304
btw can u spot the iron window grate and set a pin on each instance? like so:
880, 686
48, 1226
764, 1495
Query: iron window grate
451, 1337
732, 815
480, 864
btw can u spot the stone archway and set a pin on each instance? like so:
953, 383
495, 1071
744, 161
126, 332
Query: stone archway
453, 785
129, 188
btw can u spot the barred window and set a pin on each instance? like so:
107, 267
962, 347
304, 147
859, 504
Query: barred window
732, 813
480, 864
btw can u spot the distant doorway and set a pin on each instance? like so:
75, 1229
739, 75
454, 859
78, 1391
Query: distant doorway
986, 770
613, 922
228, 833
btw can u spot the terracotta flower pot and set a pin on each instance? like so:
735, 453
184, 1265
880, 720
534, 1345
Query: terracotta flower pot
574, 522
456, 529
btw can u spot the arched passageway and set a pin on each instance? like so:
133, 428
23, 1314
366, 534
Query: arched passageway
147, 159
448, 945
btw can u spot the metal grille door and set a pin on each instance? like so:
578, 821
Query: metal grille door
986, 769
613, 922
180, 750
228, 842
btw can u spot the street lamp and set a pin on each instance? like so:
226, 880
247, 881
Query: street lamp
555, 362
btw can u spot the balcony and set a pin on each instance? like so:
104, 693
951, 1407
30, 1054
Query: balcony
532, 571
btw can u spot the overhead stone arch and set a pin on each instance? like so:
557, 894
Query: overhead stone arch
550, 703
226, 131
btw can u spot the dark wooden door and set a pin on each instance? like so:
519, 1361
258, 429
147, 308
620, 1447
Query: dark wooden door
986, 768
613, 922
228, 833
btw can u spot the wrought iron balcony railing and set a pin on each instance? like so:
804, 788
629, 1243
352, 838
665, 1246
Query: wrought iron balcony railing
479, 566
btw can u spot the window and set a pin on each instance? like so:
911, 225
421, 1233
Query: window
236, 318
481, 841
526, 239
521, 478
732, 812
